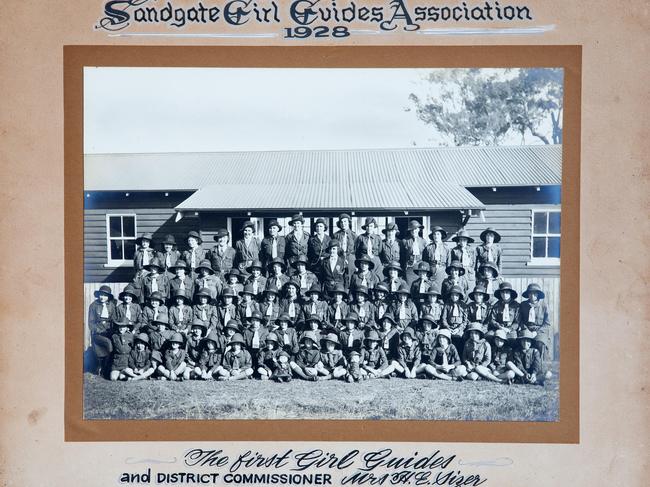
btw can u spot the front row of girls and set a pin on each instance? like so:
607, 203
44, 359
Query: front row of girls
310, 341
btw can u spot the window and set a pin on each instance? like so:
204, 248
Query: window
545, 246
121, 234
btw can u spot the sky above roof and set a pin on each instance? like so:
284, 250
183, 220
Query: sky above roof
243, 109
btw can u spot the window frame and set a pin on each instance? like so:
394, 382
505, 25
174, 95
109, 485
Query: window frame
543, 261
113, 263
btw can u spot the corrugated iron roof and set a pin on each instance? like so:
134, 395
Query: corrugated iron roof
362, 195
538, 165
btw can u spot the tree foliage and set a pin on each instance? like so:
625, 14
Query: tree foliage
475, 108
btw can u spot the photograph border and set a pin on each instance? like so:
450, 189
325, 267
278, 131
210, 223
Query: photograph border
566, 430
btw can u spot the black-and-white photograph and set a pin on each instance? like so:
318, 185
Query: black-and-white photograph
322, 243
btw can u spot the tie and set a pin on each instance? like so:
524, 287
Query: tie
436, 253
362, 312
204, 315
489, 255
255, 287
104, 311
292, 310
145, 258
155, 314
369, 246
490, 289
256, 339
382, 310
531, 316
278, 283
182, 287
274, 248
269, 310
479, 312
506, 313
168, 260
402, 312
423, 285
350, 340
286, 339
193, 259
465, 258
332, 264
393, 286
386, 343
416, 247
313, 308
456, 311
344, 242
337, 313
364, 281
248, 310
226, 317
445, 361
180, 313
128, 312
154, 284
303, 281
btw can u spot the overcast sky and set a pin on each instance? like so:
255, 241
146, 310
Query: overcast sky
241, 109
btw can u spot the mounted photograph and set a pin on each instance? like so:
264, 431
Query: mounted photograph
322, 243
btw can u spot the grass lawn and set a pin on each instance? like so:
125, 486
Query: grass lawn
373, 399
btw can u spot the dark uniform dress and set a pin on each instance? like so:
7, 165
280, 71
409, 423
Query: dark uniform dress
390, 251
316, 251
208, 314
139, 360
332, 359
267, 359
169, 259
293, 309
366, 314
100, 324
437, 256
212, 282
506, 316
180, 319
319, 308
411, 254
333, 273
193, 258
247, 251
454, 317
477, 353
418, 288
193, 349
225, 313
486, 254
270, 312
307, 357
346, 240
390, 343
500, 358
467, 257
174, 360
152, 283
208, 360
288, 340
222, 260
370, 245
122, 346
272, 248
335, 313
409, 357
132, 313
534, 317
448, 356
434, 309
295, 247
479, 313
406, 314
374, 358
427, 341
186, 285
237, 361
351, 340
529, 362
448, 283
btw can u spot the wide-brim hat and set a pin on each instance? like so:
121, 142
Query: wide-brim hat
199, 323
423, 266
204, 291
455, 264
229, 292
321, 220
354, 353
489, 265
333, 243
256, 264
283, 317
433, 290
180, 264
408, 331
414, 225
479, 290
339, 288
176, 338
158, 296
233, 272
283, 353
256, 315
277, 260
341, 217
430, 318
156, 356
364, 258
458, 290
180, 293
163, 318
534, 287
497, 235
142, 338
361, 290
291, 282
331, 337
155, 262
128, 290
247, 224
381, 287
403, 289
445, 332
389, 227
501, 334
437, 228
462, 234
301, 259
144, 236
313, 319
221, 232
169, 240
233, 325
505, 286
296, 218
248, 289
123, 322
272, 337
237, 338
274, 223
204, 264
212, 337
315, 288
312, 336
474, 327
352, 316
392, 265
195, 235
271, 289
372, 336
526, 335
368, 221
389, 317
104, 290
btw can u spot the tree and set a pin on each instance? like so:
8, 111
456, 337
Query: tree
475, 108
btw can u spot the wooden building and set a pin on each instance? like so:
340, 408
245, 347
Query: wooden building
515, 189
